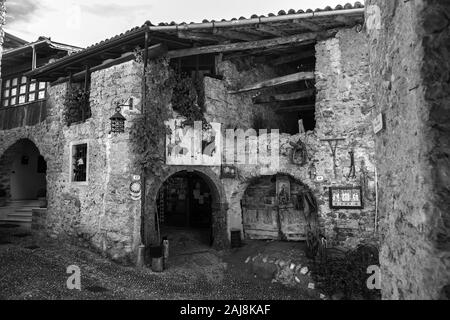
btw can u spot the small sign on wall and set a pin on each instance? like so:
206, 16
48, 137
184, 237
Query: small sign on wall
346, 198
377, 123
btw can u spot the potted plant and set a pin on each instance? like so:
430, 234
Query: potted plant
2, 197
42, 197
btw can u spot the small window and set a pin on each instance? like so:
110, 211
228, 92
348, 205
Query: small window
22, 90
79, 162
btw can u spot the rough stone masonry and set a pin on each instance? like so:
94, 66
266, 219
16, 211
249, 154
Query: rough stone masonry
410, 78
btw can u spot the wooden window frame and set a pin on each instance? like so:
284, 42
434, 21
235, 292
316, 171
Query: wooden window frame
73, 145
13, 100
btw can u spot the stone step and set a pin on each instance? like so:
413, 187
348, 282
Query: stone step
14, 219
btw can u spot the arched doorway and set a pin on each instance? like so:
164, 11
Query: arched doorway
22, 181
277, 208
187, 202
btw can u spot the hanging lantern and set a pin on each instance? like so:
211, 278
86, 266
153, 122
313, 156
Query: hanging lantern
117, 122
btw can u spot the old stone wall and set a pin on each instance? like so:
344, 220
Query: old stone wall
99, 212
343, 110
410, 81
237, 110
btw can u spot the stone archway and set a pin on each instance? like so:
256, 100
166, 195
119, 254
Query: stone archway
285, 225
23, 182
23, 171
218, 206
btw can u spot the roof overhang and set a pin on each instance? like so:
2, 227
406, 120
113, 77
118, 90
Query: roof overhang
182, 36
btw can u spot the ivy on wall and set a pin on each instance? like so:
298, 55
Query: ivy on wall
165, 86
149, 130
76, 105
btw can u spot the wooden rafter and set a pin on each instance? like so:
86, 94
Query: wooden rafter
275, 82
307, 24
235, 35
284, 96
271, 30
289, 40
200, 36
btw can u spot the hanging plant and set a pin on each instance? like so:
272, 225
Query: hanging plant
188, 98
76, 105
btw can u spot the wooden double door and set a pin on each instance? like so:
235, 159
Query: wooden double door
264, 217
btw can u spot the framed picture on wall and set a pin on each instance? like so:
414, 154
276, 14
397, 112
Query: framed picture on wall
346, 198
283, 189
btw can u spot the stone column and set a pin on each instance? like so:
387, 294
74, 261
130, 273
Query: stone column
410, 78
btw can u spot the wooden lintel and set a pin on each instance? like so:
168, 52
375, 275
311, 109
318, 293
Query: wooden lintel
305, 107
154, 51
284, 96
294, 57
289, 40
275, 82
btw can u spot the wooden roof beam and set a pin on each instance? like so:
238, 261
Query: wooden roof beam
271, 30
294, 57
200, 36
235, 35
284, 96
275, 82
269, 43
308, 25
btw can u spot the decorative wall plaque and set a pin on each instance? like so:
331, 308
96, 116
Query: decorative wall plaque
346, 198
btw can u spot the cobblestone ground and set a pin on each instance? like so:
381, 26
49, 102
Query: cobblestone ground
33, 267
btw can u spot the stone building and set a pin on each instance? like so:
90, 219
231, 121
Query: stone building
247, 73
409, 53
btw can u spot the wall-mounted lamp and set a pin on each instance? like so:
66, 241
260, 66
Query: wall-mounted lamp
117, 121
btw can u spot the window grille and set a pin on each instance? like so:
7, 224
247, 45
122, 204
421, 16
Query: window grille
79, 162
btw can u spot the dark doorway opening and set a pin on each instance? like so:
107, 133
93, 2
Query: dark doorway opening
185, 211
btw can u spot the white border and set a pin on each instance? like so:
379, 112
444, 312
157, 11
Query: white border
71, 145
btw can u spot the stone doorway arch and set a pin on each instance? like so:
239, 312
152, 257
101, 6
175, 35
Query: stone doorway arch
218, 204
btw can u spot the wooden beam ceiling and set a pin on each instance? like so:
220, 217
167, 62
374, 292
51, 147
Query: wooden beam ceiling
275, 82
269, 43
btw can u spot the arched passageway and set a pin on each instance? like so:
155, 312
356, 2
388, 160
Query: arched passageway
23, 171
189, 210
23, 183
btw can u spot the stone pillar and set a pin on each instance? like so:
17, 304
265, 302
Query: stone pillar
410, 78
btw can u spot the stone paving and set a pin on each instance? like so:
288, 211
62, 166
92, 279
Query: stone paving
34, 267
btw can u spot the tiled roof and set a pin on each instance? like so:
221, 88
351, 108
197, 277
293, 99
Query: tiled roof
182, 35
347, 6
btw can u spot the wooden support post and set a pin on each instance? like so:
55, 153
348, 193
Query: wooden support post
34, 59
